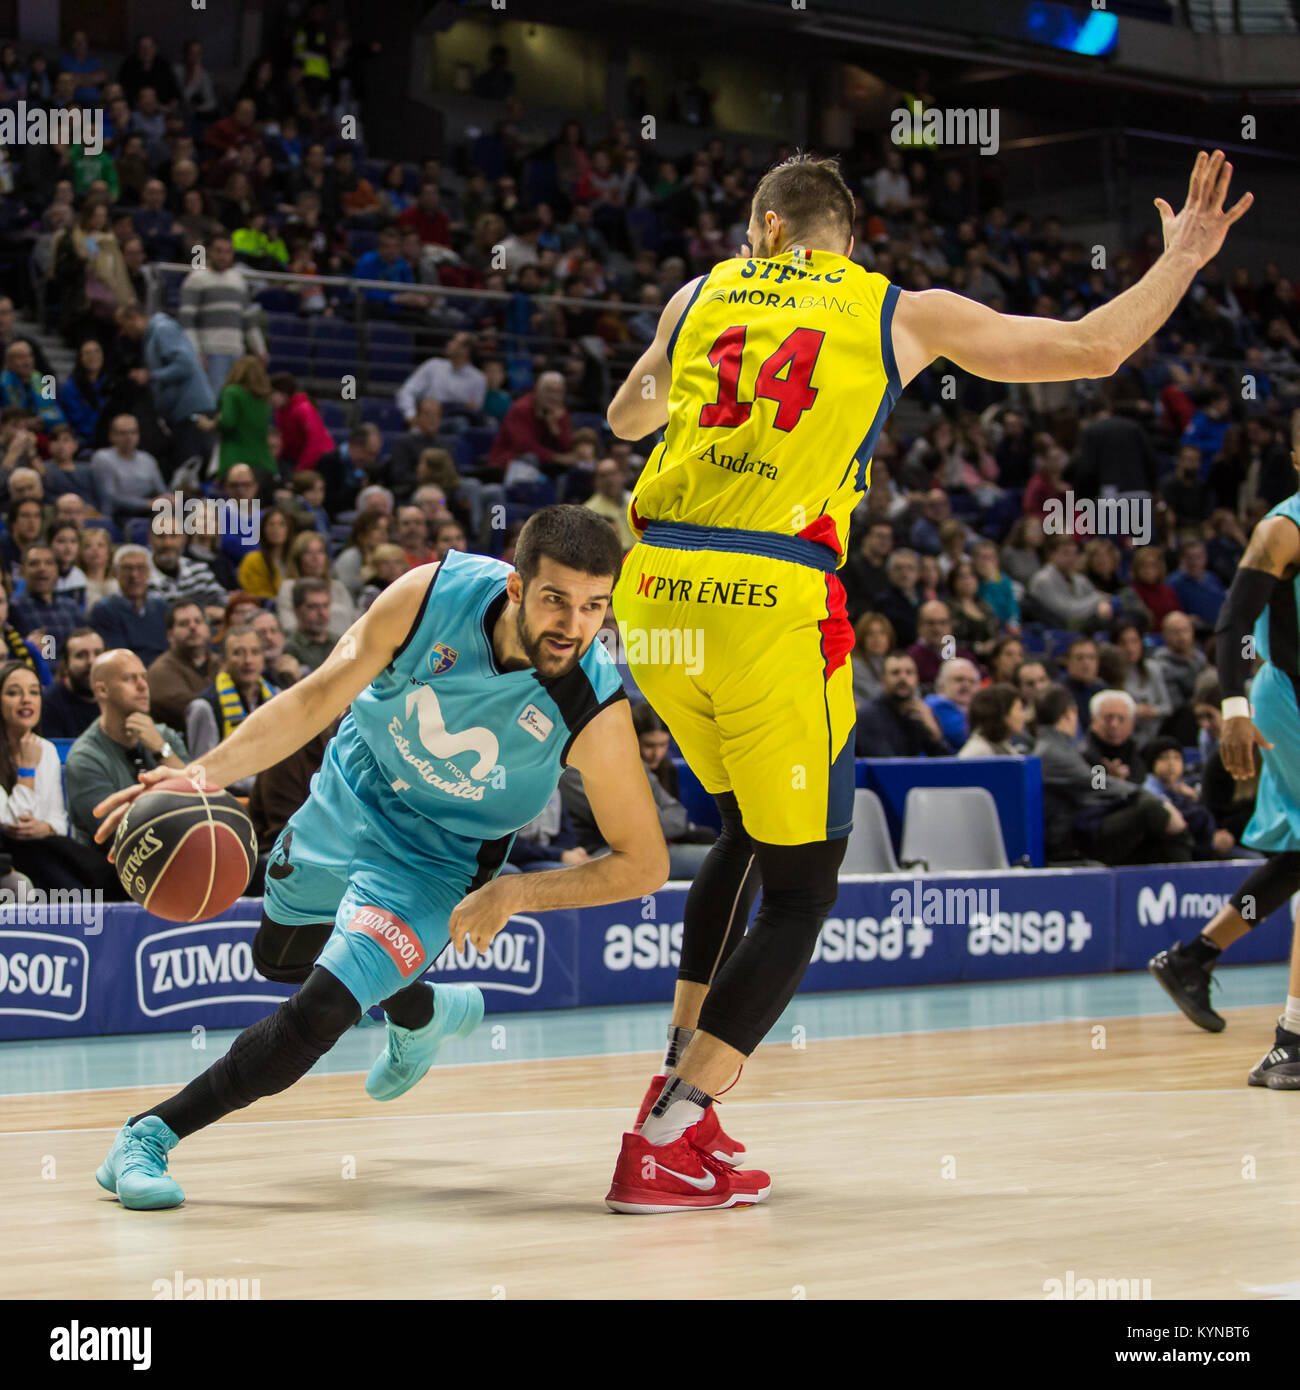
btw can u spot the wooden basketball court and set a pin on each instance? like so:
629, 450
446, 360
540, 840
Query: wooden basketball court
965, 1164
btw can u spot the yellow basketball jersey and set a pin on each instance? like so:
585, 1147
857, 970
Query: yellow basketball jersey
783, 374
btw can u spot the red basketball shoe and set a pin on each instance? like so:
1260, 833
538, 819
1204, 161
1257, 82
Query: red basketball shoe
678, 1177
708, 1134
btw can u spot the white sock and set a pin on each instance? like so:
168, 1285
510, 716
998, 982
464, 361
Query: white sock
680, 1105
1291, 1018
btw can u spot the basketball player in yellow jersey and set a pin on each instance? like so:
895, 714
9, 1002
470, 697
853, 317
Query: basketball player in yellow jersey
773, 375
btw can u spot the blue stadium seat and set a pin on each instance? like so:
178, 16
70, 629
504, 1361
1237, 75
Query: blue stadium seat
391, 335
361, 240
479, 441
331, 412
334, 331
278, 301
137, 530
340, 531
586, 419
643, 223
382, 411
389, 372
534, 495
1191, 757
282, 326
1058, 639
290, 360
964, 506
1031, 638
63, 745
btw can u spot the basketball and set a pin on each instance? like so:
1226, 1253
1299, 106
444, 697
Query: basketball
184, 853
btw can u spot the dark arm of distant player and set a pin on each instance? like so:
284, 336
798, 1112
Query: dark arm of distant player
295, 716
930, 324
640, 405
607, 754
1274, 550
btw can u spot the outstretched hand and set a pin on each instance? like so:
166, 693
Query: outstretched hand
1202, 225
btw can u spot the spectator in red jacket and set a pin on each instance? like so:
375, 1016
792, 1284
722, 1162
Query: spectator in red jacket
232, 131
303, 436
1147, 585
1047, 484
536, 424
428, 218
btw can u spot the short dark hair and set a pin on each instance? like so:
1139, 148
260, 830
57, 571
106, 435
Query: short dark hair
989, 708
179, 607
1052, 704
303, 587
810, 195
646, 721
572, 536
285, 382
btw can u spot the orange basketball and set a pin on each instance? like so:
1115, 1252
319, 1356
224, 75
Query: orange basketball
185, 853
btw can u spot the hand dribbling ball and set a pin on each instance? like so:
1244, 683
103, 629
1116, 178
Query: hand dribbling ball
184, 852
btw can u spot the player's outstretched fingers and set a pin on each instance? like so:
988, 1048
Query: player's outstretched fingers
113, 808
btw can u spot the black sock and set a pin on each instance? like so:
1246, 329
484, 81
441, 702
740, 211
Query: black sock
411, 1007
1203, 951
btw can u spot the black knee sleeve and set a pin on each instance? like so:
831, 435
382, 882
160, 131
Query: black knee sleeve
287, 954
1268, 887
720, 899
280, 1049
800, 885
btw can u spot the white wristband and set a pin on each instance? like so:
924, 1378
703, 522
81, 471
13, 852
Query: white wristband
1236, 707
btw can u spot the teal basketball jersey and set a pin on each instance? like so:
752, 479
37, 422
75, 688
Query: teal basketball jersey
1277, 629
474, 749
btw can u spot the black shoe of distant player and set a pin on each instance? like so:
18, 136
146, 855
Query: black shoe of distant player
1187, 983
1280, 1069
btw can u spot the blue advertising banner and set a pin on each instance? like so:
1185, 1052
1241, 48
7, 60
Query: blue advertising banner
1158, 904
128, 972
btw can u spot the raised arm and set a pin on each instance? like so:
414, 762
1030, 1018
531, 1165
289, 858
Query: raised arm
295, 716
930, 324
640, 405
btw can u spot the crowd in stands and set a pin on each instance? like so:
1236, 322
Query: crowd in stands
986, 624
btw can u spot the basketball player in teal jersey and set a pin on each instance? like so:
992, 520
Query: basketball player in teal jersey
1261, 618
471, 687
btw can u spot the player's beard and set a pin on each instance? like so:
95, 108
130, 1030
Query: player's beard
539, 655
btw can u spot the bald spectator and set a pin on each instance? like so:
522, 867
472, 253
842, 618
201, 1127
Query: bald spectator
238, 689
126, 477
186, 667
450, 380
132, 618
123, 742
610, 499
954, 688
68, 705
536, 428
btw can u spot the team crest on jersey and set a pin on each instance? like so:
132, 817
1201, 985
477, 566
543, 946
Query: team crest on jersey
441, 658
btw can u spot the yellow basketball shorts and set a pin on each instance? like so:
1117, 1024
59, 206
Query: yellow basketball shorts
743, 653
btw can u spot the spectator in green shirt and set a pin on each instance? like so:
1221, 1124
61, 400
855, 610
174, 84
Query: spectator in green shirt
244, 419
121, 743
